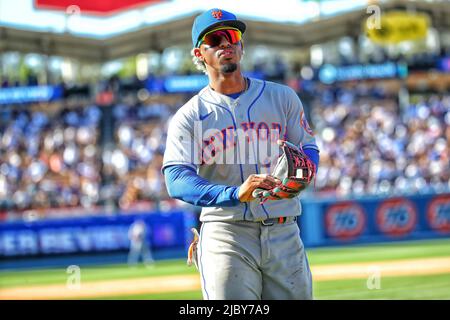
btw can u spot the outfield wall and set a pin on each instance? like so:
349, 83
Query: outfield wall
323, 223
374, 219
91, 238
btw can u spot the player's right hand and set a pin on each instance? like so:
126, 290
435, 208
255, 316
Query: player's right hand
263, 181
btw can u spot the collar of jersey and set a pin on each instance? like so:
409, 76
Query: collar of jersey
223, 98
235, 95
238, 94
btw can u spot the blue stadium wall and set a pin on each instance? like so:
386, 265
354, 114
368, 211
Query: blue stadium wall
375, 219
91, 240
104, 239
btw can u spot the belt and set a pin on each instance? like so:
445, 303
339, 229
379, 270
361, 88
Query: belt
278, 220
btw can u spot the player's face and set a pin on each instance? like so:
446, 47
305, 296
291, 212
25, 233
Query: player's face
221, 50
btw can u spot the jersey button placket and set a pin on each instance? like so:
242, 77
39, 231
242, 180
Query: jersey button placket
238, 112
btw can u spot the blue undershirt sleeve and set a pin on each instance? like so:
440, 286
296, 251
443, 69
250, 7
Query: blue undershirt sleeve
313, 155
183, 183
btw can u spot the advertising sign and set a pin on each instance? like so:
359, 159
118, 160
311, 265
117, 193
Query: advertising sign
397, 26
396, 217
329, 74
30, 94
345, 220
93, 234
438, 214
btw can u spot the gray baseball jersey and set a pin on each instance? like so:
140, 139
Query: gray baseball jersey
228, 139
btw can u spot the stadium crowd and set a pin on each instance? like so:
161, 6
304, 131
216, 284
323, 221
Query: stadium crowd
133, 162
49, 159
369, 145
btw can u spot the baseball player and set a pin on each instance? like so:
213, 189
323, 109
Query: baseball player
220, 152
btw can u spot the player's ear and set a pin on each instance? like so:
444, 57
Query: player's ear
242, 44
242, 47
198, 54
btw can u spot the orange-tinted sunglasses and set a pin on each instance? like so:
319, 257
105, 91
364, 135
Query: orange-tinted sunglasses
214, 37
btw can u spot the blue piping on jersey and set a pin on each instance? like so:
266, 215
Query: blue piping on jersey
249, 120
235, 128
200, 262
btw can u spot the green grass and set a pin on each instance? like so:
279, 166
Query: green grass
391, 288
58, 276
379, 252
402, 287
186, 295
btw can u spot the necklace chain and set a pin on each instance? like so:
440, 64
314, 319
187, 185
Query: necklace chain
245, 86
237, 99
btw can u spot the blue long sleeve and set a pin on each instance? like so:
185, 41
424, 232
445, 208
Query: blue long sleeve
185, 184
313, 155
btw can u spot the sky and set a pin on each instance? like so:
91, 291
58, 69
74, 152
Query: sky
21, 14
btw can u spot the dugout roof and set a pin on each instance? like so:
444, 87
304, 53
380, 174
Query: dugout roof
177, 32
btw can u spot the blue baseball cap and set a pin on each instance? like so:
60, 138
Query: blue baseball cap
211, 19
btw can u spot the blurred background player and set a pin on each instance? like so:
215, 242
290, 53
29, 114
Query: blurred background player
140, 246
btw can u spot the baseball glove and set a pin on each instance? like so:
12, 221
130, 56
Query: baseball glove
192, 251
294, 170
